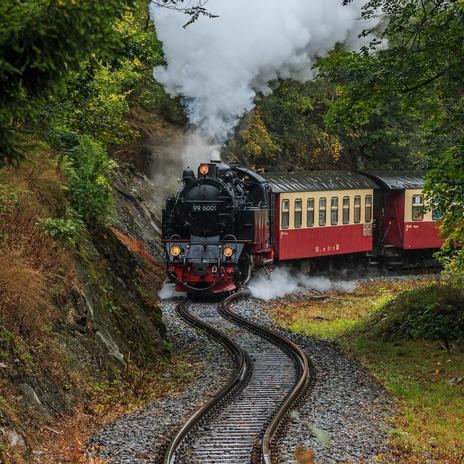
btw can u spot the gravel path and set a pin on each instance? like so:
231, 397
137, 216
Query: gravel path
139, 438
344, 417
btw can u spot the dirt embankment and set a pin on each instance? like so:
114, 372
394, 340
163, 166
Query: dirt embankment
75, 321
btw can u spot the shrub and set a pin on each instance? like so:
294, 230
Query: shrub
67, 230
23, 306
86, 165
432, 313
9, 198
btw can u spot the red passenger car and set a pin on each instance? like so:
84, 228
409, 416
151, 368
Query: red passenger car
405, 227
321, 214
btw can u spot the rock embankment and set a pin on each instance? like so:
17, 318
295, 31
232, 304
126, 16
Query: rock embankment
75, 315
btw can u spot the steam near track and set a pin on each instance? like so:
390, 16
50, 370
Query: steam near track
283, 282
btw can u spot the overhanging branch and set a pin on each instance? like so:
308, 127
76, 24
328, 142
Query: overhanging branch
192, 8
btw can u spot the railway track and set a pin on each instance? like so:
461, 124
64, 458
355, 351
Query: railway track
240, 423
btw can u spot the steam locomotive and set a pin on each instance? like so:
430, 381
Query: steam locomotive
217, 228
228, 220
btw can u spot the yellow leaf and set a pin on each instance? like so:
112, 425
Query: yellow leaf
304, 455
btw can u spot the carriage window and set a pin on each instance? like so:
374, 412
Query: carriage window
417, 208
310, 213
357, 209
298, 213
368, 210
334, 211
285, 214
322, 211
346, 210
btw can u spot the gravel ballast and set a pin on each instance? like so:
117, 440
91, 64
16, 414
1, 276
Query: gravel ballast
343, 418
141, 437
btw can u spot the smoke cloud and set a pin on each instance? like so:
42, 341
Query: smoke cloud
219, 65
197, 150
284, 282
172, 153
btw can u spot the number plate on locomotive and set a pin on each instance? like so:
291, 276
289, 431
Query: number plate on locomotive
204, 208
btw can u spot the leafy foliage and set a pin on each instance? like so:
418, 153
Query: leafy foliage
94, 102
86, 166
446, 183
67, 230
302, 121
98, 99
432, 313
287, 129
254, 144
9, 198
420, 73
83, 68
40, 43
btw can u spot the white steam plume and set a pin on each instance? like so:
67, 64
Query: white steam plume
168, 291
173, 153
284, 282
218, 65
197, 150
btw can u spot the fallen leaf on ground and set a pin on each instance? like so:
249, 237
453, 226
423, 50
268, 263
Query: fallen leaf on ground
304, 455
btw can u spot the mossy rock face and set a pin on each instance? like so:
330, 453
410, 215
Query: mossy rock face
138, 204
96, 307
126, 306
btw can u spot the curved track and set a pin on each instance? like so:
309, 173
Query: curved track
239, 424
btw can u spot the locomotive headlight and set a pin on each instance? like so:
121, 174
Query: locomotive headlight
228, 252
204, 169
176, 250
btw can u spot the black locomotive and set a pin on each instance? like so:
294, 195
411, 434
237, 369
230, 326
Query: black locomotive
217, 228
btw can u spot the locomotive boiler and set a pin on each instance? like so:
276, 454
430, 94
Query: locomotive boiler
217, 228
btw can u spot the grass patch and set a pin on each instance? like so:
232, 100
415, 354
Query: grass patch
400, 332
323, 329
421, 376
334, 314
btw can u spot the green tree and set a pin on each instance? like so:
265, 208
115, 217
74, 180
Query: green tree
41, 41
421, 71
86, 166
253, 144
99, 99
292, 117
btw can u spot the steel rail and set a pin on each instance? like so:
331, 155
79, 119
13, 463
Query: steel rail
238, 380
303, 375
241, 376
